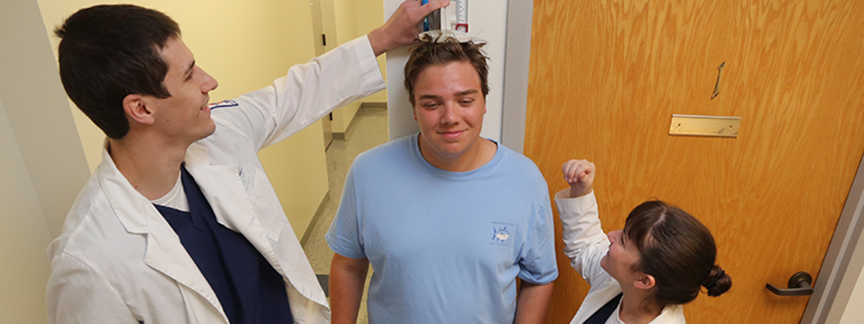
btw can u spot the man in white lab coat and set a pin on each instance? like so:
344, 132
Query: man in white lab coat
179, 224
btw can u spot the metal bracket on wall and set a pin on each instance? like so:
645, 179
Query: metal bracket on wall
696, 125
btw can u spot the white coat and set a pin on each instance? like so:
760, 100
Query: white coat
119, 261
585, 244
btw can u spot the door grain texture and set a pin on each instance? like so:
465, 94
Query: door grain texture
605, 79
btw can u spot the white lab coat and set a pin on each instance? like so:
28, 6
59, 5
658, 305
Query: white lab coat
585, 244
119, 261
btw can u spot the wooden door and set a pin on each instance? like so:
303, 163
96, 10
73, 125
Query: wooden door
605, 78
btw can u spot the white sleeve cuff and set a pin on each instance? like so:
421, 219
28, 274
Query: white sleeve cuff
373, 78
577, 205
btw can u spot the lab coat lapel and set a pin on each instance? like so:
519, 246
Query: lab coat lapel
224, 190
165, 253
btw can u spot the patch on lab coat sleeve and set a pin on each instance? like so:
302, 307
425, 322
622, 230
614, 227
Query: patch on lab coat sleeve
223, 103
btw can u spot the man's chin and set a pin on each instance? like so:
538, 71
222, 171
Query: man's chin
210, 131
603, 262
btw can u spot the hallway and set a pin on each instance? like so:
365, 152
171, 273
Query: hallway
370, 131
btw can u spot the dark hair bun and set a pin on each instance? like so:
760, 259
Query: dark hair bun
718, 282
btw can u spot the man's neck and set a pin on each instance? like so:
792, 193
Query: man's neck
480, 153
151, 167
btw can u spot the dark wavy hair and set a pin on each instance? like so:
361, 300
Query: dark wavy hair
677, 250
107, 52
428, 51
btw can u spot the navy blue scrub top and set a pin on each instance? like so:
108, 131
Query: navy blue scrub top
247, 286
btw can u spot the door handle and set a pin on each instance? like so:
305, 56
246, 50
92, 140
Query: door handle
799, 285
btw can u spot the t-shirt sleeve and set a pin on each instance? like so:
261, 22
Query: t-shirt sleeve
538, 265
344, 235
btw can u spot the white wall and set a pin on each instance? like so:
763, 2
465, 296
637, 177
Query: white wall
487, 20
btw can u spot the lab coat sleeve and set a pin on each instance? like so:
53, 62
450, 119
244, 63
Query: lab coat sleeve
78, 294
308, 92
584, 241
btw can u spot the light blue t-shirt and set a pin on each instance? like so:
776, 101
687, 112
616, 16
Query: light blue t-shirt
445, 246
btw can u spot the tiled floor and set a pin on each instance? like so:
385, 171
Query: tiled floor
370, 131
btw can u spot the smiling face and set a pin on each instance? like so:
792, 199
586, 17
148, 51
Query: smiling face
184, 117
622, 258
449, 108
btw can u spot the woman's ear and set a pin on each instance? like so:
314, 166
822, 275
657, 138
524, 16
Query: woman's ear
136, 110
644, 281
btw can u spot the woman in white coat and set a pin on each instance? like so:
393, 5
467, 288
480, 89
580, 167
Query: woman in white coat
643, 273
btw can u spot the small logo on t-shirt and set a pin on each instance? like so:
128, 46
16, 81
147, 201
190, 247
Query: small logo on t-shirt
500, 234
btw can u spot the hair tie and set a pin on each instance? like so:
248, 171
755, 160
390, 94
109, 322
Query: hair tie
714, 280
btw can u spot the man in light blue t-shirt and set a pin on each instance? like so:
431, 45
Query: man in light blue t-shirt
447, 219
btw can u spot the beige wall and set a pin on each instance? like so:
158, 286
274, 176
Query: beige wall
854, 313
354, 18
345, 20
345, 14
297, 168
244, 45
42, 165
24, 268
370, 15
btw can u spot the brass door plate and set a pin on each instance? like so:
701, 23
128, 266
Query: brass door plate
697, 125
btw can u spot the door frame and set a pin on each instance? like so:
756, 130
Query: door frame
844, 258
322, 24
843, 261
